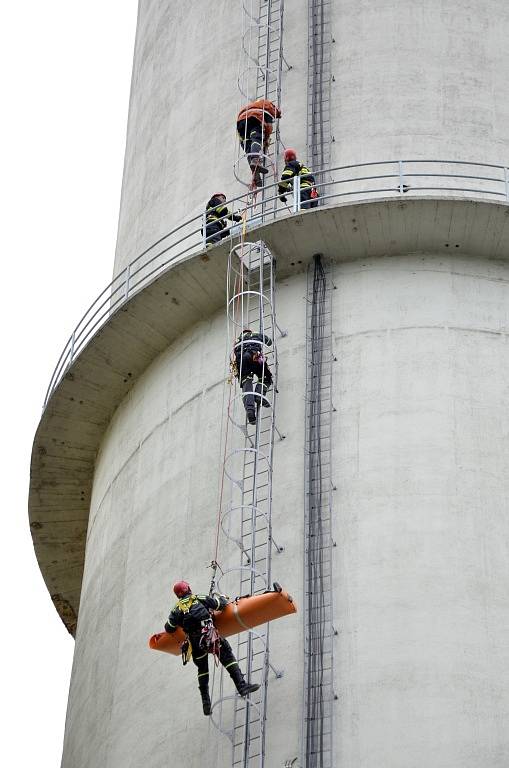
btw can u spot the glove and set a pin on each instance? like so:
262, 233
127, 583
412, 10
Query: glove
237, 217
283, 198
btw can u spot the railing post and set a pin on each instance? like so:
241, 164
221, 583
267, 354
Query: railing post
127, 276
72, 347
400, 169
296, 194
204, 229
506, 178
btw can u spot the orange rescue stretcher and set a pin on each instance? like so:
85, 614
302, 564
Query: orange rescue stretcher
243, 613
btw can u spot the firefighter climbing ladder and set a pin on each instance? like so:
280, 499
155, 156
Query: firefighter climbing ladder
319, 84
247, 519
318, 615
260, 73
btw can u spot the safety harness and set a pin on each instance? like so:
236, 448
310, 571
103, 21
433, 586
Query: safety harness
209, 640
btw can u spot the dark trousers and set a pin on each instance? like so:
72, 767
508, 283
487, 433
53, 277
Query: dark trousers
252, 395
306, 201
251, 134
215, 231
201, 659
249, 367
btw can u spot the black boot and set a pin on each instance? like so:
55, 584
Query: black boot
205, 699
261, 391
240, 684
249, 400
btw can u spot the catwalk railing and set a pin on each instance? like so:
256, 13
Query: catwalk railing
364, 181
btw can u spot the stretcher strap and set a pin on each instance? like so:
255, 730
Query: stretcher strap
237, 616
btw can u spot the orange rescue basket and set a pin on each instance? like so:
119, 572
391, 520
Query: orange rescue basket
243, 613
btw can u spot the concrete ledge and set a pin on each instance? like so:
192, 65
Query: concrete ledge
82, 405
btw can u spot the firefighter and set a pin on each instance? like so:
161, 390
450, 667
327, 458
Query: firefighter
254, 126
249, 361
216, 215
194, 614
308, 193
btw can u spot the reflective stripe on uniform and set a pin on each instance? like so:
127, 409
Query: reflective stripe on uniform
203, 674
231, 664
197, 658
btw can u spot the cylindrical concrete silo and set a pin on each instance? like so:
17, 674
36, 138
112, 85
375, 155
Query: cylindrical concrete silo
413, 370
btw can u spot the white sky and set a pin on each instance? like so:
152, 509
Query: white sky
65, 70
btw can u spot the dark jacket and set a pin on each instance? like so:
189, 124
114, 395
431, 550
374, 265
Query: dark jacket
291, 169
250, 344
217, 211
193, 611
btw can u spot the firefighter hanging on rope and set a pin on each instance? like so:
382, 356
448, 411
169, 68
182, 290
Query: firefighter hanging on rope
249, 361
254, 125
194, 614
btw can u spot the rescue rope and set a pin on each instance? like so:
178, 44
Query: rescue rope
237, 293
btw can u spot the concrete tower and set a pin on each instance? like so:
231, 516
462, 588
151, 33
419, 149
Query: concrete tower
401, 108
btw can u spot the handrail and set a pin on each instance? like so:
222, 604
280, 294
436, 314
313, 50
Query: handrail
189, 237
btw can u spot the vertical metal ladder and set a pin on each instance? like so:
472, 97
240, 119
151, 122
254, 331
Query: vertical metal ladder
247, 520
319, 84
260, 72
318, 611
270, 56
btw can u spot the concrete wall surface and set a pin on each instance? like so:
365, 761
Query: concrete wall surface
153, 521
410, 81
181, 139
421, 432
422, 80
421, 445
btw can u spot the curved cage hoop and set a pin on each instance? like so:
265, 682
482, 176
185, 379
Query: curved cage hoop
244, 425
244, 78
243, 173
257, 452
254, 572
239, 508
241, 256
219, 703
231, 310
228, 732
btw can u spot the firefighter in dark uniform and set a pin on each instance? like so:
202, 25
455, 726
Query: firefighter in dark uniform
255, 123
250, 362
194, 614
308, 193
216, 216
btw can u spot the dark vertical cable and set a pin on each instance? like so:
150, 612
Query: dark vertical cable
317, 543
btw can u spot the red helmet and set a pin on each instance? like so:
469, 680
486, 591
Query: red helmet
182, 588
290, 154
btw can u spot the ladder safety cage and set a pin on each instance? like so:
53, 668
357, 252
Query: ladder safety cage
259, 77
319, 85
317, 747
246, 519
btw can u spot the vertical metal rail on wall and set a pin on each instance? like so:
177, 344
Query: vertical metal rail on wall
260, 76
319, 84
247, 520
318, 613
